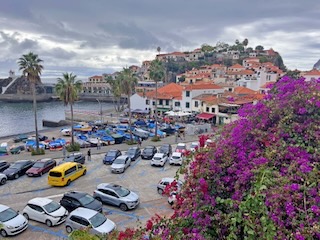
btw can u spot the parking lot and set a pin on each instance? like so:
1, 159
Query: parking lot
140, 177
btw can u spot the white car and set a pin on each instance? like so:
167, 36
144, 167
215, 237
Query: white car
164, 182
194, 146
159, 159
3, 178
120, 164
81, 218
176, 158
46, 211
12, 223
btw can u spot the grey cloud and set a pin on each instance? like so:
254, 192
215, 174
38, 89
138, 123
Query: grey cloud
14, 45
59, 53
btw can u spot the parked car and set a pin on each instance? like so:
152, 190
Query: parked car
4, 165
194, 146
74, 199
134, 153
77, 157
164, 182
3, 179
83, 218
12, 223
41, 166
111, 155
159, 159
17, 149
45, 210
18, 168
120, 164
176, 158
166, 149
181, 147
148, 152
116, 195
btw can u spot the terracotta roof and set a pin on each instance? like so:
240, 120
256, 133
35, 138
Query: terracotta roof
243, 90
202, 86
200, 75
205, 97
312, 73
268, 85
169, 91
237, 66
100, 77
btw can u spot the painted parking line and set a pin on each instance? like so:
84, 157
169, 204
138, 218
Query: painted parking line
59, 233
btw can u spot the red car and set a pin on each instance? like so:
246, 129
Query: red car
41, 166
182, 148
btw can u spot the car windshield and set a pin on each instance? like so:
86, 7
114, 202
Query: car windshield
16, 165
86, 199
38, 165
111, 154
157, 158
194, 145
69, 159
164, 149
120, 161
131, 151
181, 147
7, 215
148, 150
175, 157
97, 220
122, 192
51, 207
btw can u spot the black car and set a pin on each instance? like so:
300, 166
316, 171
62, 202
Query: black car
4, 165
134, 153
77, 157
18, 168
111, 155
148, 152
166, 149
74, 199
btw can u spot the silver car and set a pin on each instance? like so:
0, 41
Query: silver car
12, 223
116, 195
81, 218
120, 164
3, 178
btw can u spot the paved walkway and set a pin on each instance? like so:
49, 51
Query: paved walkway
122, 147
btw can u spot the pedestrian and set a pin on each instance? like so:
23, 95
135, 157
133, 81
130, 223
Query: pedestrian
64, 151
176, 136
139, 142
98, 144
89, 155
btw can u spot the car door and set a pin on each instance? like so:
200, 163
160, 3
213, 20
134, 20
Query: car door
36, 213
108, 196
128, 161
78, 222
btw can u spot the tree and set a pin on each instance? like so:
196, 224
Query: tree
294, 74
157, 73
115, 85
31, 67
68, 89
237, 42
249, 49
259, 48
206, 48
245, 42
128, 82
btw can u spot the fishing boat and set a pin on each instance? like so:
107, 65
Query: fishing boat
118, 139
66, 131
107, 140
57, 145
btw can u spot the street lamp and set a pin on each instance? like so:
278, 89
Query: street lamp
100, 110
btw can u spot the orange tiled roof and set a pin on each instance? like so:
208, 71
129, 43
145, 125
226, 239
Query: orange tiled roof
237, 66
243, 90
100, 77
312, 72
206, 97
202, 86
169, 91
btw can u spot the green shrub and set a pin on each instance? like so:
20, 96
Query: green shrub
39, 152
155, 139
131, 142
73, 147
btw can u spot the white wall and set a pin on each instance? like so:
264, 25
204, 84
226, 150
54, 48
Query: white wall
138, 102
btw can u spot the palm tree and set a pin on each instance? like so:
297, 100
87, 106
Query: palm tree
157, 73
128, 82
31, 65
115, 85
67, 89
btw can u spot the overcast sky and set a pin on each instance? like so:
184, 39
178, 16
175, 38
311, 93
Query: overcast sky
89, 37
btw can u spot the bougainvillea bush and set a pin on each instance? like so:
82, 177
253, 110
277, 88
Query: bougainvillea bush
261, 180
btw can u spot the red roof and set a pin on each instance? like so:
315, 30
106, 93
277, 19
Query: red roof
202, 86
236, 66
169, 91
205, 116
313, 72
243, 90
100, 77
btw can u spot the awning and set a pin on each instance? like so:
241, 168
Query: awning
163, 109
205, 116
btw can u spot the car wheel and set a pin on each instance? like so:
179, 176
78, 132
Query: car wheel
40, 174
69, 229
68, 183
16, 176
26, 216
48, 223
160, 191
84, 172
3, 233
3, 181
123, 207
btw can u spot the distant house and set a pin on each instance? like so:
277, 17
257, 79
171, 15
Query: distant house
311, 75
97, 85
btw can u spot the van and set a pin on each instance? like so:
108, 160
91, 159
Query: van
65, 173
140, 133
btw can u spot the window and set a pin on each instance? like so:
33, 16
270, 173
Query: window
213, 110
153, 103
177, 104
147, 102
71, 170
36, 208
187, 105
167, 102
187, 93
161, 102
207, 109
196, 104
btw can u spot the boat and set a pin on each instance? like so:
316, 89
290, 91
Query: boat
93, 141
57, 145
3, 151
66, 131
107, 140
118, 139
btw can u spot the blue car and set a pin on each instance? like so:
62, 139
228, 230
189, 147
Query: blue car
111, 155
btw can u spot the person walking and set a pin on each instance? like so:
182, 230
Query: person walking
139, 142
99, 144
89, 155
64, 151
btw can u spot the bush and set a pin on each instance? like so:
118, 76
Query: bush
155, 139
129, 142
73, 148
40, 151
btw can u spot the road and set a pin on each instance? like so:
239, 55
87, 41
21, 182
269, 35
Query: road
140, 177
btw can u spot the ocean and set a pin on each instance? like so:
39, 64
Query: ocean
17, 118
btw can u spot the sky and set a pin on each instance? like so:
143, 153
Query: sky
93, 37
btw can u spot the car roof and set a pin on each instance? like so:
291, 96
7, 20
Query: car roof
150, 146
168, 179
75, 154
159, 155
177, 154
109, 185
3, 207
166, 145
75, 194
20, 161
122, 157
44, 159
181, 144
40, 201
133, 148
195, 143
84, 212
113, 150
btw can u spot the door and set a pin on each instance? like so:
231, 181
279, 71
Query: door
36, 213
109, 197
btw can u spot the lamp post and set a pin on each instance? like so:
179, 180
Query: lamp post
100, 110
